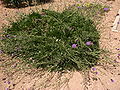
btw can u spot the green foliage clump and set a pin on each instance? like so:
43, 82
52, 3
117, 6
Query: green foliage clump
21, 3
94, 11
53, 41
15, 3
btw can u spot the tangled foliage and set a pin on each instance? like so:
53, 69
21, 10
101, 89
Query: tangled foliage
21, 3
53, 41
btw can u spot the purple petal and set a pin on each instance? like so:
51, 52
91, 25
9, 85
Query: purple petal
89, 43
96, 72
94, 69
118, 48
74, 45
106, 9
4, 81
78, 7
7, 89
8, 82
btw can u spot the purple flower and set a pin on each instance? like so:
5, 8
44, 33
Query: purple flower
118, 54
118, 48
78, 7
112, 80
74, 45
8, 82
94, 69
4, 81
106, 9
96, 72
7, 89
89, 43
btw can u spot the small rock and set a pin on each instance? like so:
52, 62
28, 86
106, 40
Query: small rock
14, 84
94, 79
118, 73
4, 79
117, 15
115, 38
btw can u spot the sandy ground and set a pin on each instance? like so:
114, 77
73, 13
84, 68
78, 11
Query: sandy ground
106, 78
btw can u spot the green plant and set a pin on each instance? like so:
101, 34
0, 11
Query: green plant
53, 41
94, 11
21, 3
15, 3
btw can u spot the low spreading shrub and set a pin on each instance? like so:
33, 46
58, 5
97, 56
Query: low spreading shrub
53, 41
94, 11
15, 3
19, 3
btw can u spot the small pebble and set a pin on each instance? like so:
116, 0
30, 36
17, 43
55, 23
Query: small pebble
94, 79
14, 84
118, 73
117, 15
111, 26
112, 80
115, 38
4, 79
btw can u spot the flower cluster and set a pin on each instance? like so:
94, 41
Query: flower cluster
88, 43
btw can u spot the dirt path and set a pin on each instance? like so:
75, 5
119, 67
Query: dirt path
107, 78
